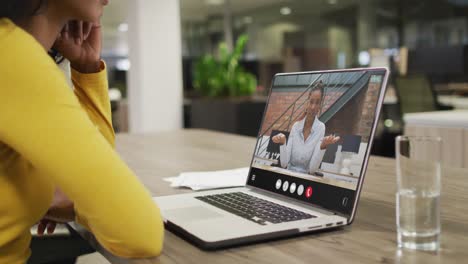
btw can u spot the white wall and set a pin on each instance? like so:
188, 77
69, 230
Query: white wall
155, 76
340, 41
269, 40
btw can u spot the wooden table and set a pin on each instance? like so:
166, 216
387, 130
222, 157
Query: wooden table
371, 239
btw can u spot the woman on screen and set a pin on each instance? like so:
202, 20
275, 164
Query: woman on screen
304, 149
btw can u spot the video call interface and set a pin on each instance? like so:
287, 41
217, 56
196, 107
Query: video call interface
317, 126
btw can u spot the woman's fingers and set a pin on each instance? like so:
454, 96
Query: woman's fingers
72, 29
334, 139
331, 139
279, 139
282, 138
46, 225
79, 32
76, 31
65, 34
87, 27
95, 35
51, 227
41, 227
275, 139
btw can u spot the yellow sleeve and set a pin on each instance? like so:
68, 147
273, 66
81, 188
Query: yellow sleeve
93, 94
41, 119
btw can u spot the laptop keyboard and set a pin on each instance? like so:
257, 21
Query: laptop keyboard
254, 209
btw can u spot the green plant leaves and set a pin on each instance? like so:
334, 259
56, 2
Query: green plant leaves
224, 76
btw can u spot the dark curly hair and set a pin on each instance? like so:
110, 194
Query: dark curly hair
318, 87
16, 10
20, 9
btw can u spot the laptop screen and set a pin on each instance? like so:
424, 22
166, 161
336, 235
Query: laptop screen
316, 135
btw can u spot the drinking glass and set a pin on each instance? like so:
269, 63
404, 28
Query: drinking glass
418, 192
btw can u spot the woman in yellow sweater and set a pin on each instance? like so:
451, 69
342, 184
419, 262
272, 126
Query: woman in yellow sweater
53, 138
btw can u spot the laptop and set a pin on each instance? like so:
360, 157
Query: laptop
293, 190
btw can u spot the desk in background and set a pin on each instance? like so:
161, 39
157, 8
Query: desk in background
451, 126
458, 102
457, 88
371, 239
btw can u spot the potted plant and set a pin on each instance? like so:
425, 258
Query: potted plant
226, 89
223, 76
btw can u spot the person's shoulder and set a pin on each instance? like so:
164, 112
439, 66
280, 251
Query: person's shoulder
24, 60
296, 125
19, 50
6, 26
321, 125
13, 39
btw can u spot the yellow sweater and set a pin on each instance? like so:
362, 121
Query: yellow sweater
53, 137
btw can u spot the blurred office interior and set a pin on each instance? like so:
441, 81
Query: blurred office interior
152, 49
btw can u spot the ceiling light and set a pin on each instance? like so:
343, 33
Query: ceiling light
364, 58
123, 27
214, 2
333, 2
285, 11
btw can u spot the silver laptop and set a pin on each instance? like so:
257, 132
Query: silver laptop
307, 169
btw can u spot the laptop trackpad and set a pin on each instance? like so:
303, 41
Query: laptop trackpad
191, 214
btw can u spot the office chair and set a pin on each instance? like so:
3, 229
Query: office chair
415, 94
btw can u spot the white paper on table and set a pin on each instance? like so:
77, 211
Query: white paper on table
204, 180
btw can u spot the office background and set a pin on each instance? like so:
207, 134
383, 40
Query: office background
152, 49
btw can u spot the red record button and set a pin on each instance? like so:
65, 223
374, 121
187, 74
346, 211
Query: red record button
308, 192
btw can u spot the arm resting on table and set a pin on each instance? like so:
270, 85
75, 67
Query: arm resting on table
44, 122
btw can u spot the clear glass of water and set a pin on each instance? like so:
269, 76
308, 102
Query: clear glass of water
418, 192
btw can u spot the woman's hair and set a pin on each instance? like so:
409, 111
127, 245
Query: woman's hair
16, 10
318, 87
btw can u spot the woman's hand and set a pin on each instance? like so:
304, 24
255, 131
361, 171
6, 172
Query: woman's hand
328, 140
80, 42
44, 225
61, 211
279, 139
